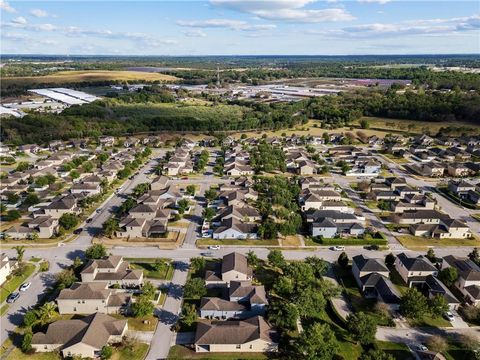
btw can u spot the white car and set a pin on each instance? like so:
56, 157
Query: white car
419, 347
24, 287
338, 248
214, 247
449, 316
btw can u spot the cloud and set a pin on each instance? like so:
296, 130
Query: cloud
195, 33
38, 13
14, 36
6, 7
412, 27
381, 2
285, 10
19, 20
224, 23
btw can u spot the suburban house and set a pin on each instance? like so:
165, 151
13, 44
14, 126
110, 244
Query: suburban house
5, 268
447, 228
112, 270
234, 268
465, 191
330, 223
232, 228
414, 270
80, 337
468, 282
251, 335
62, 205
87, 298
433, 287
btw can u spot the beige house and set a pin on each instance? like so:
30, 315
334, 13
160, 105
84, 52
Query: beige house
468, 281
80, 337
5, 268
112, 270
251, 335
414, 269
64, 205
234, 268
87, 298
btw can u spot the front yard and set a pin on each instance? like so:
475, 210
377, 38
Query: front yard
160, 269
246, 242
11, 285
421, 243
182, 352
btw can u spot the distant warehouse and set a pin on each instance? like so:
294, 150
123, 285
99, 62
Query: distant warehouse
66, 96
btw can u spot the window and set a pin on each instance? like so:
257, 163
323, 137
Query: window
45, 347
74, 309
239, 346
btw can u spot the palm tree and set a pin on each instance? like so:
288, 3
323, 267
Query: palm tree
46, 312
20, 252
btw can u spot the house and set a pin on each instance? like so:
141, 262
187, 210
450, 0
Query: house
214, 307
113, 270
244, 213
232, 228
62, 205
86, 188
107, 140
307, 167
46, 226
159, 183
459, 170
87, 298
330, 223
5, 268
362, 266
234, 268
432, 169
468, 281
414, 270
83, 337
251, 335
419, 217
446, 229
434, 287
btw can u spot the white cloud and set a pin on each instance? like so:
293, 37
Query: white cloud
381, 2
19, 20
285, 10
224, 23
38, 13
195, 33
6, 7
14, 36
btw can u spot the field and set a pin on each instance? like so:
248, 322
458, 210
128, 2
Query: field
419, 243
87, 76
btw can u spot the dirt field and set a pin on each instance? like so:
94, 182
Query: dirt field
94, 75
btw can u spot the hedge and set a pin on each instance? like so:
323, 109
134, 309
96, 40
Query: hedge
341, 241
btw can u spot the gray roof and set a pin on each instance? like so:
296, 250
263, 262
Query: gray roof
418, 263
367, 264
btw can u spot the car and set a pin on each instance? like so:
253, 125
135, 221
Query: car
207, 254
449, 316
25, 286
13, 297
185, 178
205, 235
89, 220
372, 247
77, 231
338, 248
214, 247
419, 347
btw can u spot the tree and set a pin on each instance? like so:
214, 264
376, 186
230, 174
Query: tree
276, 258
142, 307
31, 199
343, 259
190, 190
376, 354
148, 289
182, 205
318, 342
30, 318
362, 327
22, 166
431, 255
448, 275
12, 198
20, 252
475, 256
197, 264
318, 265
65, 278
27, 341
390, 260
141, 189
252, 259
106, 352
364, 124
96, 251
68, 221
283, 314
268, 230
74, 174
46, 312
437, 343
13, 215
87, 166
195, 288
208, 213
438, 306
110, 226
413, 304
77, 263
210, 194
189, 314
3, 207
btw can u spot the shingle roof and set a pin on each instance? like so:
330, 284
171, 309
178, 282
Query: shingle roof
419, 263
367, 264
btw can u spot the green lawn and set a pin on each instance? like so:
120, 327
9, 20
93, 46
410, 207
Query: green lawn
136, 351
11, 285
398, 351
421, 243
429, 321
17, 354
150, 270
3, 309
252, 242
181, 352
138, 324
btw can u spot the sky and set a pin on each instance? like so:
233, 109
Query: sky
240, 27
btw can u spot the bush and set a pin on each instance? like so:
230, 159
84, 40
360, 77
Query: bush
106, 352
30, 318
27, 342
96, 251
68, 221
142, 307
44, 266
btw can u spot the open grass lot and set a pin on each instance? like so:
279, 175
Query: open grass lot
428, 321
162, 269
86, 76
136, 351
252, 242
291, 240
398, 351
11, 285
181, 352
420, 243
145, 323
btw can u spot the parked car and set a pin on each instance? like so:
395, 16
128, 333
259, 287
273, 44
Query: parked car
372, 247
77, 231
89, 220
419, 347
207, 254
25, 286
449, 316
214, 247
338, 248
13, 297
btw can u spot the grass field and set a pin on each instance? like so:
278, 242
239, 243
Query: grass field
11, 285
162, 270
420, 243
181, 352
137, 351
252, 242
85, 76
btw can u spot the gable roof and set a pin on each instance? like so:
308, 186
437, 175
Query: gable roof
237, 262
419, 263
368, 264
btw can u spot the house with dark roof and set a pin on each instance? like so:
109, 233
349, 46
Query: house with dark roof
414, 270
468, 281
234, 267
232, 228
112, 270
331, 223
83, 337
434, 287
251, 335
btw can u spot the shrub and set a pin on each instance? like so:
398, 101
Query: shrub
44, 266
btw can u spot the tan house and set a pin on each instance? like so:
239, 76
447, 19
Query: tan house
234, 268
112, 270
64, 205
414, 270
87, 298
80, 337
5, 268
468, 281
251, 335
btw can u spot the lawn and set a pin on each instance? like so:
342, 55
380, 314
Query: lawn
251, 242
162, 270
11, 285
3, 309
181, 352
136, 351
17, 354
398, 351
420, 243
291, 240
138, 324
428, 321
